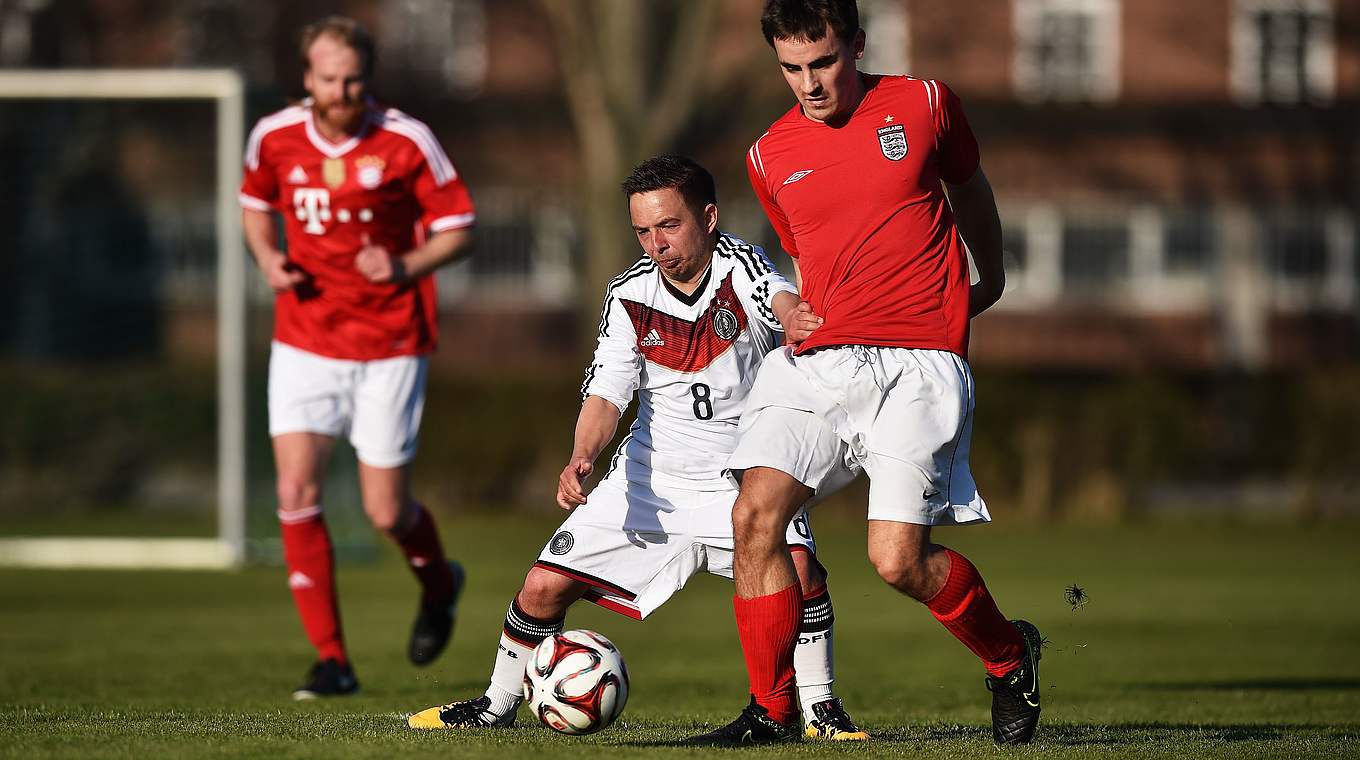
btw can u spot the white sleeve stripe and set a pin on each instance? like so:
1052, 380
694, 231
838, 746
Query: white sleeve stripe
935, 107
453, 222
755, 153
274, 122
418, 133
251, 202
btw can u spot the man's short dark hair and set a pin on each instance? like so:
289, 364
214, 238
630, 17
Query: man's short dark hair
347, 31
808, 19
671, 171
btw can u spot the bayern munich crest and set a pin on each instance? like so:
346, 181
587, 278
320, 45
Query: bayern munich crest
370, 171
725, 323
892, 140
561, 543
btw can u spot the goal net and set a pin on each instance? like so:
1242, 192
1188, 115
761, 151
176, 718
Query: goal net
133, 330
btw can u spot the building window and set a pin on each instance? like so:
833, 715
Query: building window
1095, 257
1296, 247
1188, 242
441, 41
887, 36
1283, 51
1067, 50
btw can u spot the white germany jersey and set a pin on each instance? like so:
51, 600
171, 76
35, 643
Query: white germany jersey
691, 361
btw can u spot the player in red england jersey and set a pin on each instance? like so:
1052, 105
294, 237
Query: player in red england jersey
371, 206
873, 184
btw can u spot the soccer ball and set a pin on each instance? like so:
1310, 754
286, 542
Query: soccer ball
576, 682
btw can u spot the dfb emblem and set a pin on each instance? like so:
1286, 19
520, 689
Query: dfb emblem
725, 324
893, 141
561, 543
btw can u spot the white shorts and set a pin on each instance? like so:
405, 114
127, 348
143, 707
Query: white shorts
376, 403
637, 544
904, 415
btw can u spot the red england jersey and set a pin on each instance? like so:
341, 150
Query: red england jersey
861, 208
390, 182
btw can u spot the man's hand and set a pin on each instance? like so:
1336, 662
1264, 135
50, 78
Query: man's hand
280, 275
377, 264
571, 492
799, 322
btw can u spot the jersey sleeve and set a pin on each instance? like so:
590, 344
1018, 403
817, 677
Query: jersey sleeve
259, 181
758, 282
444, 200
958, 147
615, 371
755, 170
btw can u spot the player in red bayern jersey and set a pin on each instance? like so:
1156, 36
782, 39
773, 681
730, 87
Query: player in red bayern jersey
873, 184
683, 330
371, 206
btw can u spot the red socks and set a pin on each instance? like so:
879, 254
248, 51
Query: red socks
768, 628
964, 607
311, 575
425, 555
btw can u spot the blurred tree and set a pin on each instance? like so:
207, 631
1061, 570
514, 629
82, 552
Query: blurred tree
635, 75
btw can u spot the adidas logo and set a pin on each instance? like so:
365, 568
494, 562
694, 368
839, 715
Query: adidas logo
653, 339
297, 579
298, 176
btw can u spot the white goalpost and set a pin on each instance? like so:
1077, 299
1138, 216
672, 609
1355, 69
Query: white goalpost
228, 548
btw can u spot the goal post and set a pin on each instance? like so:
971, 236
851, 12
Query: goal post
225, 89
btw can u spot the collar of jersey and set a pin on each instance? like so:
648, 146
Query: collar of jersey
692, 298
336, 150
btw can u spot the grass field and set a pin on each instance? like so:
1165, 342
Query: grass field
1199, 640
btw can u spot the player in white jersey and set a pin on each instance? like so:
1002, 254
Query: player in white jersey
685, 330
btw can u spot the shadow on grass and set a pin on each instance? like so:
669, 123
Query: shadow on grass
1257, 684
1093, 735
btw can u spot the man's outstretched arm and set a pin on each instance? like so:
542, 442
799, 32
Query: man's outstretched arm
595, 426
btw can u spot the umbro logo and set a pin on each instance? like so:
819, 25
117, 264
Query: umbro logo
297, 580
653, 339
298, 176
797, 176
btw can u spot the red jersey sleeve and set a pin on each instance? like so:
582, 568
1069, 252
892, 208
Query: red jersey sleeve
957, 145
755, 172
444, 200
259, 183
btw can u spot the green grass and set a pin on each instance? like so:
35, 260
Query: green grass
1199, 640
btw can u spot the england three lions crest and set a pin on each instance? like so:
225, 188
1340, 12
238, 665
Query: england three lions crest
892, 140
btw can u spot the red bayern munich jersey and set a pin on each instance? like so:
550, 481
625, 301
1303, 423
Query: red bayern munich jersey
391, 182
861, 209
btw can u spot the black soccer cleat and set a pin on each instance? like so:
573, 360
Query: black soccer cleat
327, 678
434, 623
1015, 696
753, 726
831, 721
471, 713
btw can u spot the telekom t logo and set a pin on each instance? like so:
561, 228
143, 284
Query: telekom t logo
313, 205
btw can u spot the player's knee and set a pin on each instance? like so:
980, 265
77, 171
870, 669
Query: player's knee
902, 573
547, 594
385, 516
295, 494
753, 525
